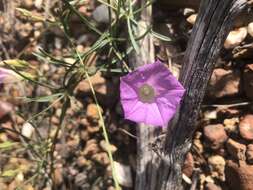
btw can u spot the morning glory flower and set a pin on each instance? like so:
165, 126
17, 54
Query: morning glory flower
150, 94
8, 76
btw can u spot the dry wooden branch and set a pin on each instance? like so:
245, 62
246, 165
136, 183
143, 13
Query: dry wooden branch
146, 159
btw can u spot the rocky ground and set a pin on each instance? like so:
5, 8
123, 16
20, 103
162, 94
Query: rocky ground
222, 153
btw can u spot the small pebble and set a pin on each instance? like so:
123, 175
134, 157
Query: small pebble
215, 135
236, 149
250, 29
249, 153
124, 174
192, 18
212, 186
217, 166
248, 81
102, 158
101, 14
235, 37
246, 127
188, 165
92, 111
27, 130
105, 146
5, 108
231, 125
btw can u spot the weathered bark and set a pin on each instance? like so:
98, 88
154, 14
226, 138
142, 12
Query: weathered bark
179, 3
146, 159
214, 21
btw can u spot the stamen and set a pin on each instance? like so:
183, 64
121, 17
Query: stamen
146, 93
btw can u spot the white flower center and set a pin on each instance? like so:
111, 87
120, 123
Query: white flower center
146, 93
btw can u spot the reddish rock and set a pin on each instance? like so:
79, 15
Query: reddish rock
9, 129
198, 145
5, 108
229, 112
91, 148
58, 176
239, 177
188, 165
222, 152
249, 153
236, 150
212, 186
246, 127
101, 158
215, 135
224, 83
248, 81
92, 111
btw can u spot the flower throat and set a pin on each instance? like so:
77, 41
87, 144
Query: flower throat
146, 93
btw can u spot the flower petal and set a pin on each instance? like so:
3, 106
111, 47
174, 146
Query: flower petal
173, 96
153, 116
137, 113
168, 104
128, 105
142, 74
163, 80
167, 111
148, 114
126, 91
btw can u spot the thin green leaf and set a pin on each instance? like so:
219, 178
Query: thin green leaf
107, 4
9, 173
15, 63
49, 98
25, 76
123, 55
144, 34
134, 22
30, 15
132, 39
43, 55
7, 145
161, 37
112, 70
65, 21
143, 7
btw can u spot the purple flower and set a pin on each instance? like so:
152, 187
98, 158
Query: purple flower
8, 76
150, 94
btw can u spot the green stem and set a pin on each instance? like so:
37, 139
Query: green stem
116, 183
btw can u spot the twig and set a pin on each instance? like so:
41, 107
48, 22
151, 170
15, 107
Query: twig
195, 177
227, 105
127, 133
54, 140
